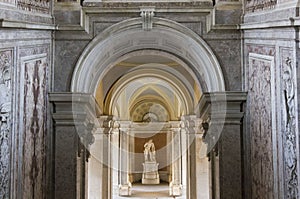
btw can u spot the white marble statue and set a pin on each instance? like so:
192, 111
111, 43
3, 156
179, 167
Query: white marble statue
149, 151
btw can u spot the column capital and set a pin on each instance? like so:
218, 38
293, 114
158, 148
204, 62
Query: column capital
108, 121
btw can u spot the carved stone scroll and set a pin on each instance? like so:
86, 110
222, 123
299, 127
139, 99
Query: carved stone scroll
289, 128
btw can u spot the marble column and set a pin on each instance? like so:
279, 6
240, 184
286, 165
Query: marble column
188, 128
175, 188
73, 115
108, 132
223, 113
124, 166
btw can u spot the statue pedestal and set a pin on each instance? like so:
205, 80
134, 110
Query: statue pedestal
150, 173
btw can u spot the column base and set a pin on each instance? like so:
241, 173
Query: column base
175, 190
125, 190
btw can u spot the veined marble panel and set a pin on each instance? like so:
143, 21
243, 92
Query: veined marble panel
31, 132
34, 125
288, 125
261, 91
6, 65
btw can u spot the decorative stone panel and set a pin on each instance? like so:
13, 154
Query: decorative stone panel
288, 123
32, 124
261, 92
259, 5
6, 66
13, 2
41, 6
34, 130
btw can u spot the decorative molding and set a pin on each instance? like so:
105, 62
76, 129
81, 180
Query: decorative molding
73, 108
163, 6
6, 68
230, 102
289, 124
26, 25
291, 22
147, 14
261, 93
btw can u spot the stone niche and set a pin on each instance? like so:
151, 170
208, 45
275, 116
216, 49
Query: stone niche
160, 140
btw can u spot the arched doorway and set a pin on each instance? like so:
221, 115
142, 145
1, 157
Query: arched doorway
145, 80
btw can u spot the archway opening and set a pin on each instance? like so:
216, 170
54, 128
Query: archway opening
146, 80
151, 93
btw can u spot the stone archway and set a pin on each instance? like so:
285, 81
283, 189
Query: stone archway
128, 36
166, 39
119, 43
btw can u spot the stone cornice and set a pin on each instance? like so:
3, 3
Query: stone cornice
291, 22
73, 108
226, 106
159, 5
26, 25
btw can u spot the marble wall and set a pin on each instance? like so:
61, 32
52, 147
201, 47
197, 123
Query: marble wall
259, 5
24, 84
41, 6
269, 72
270, 79
33, 11
229, 61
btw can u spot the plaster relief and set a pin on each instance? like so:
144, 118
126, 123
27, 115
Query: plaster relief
289, 124
6, 60
13, 2
259, 5
260, 100
42, 6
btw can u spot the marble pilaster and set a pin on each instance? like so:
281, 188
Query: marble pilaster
73, 115
223, 112
175, 187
